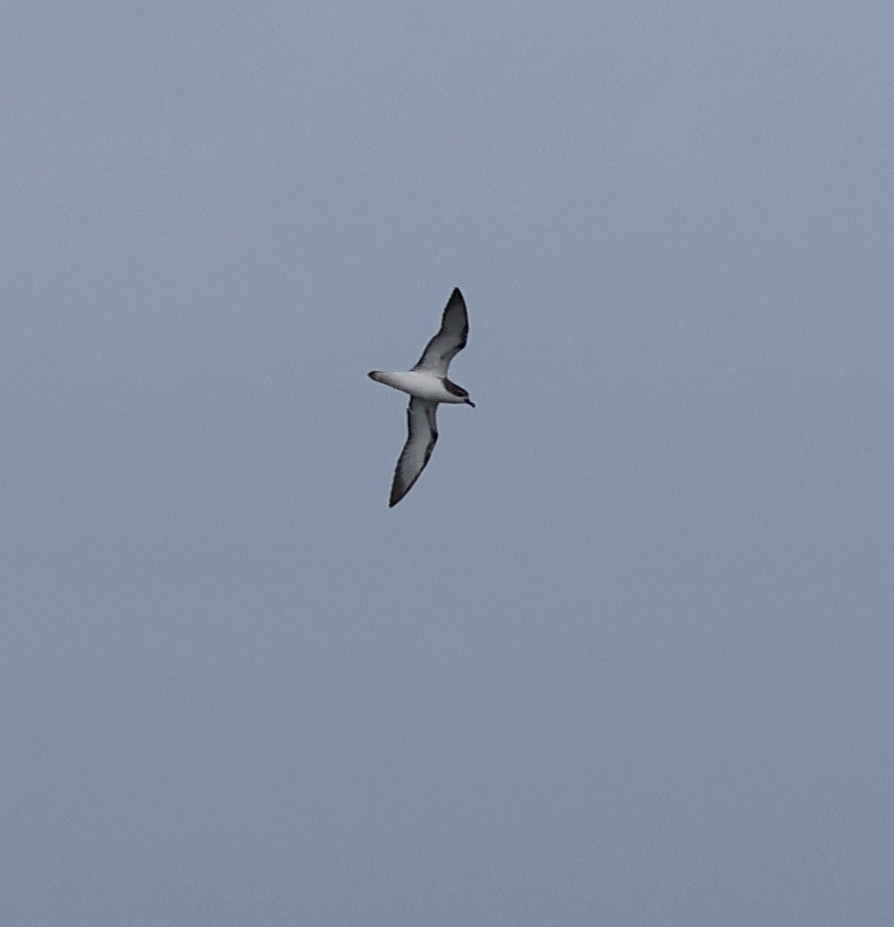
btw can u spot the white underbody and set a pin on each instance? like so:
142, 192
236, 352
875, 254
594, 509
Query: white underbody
418, 383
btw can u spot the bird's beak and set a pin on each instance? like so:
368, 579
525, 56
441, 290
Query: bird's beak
470, 403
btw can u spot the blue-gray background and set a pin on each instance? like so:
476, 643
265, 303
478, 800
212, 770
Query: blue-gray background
624, 654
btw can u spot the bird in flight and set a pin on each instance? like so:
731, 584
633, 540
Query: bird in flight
428, 386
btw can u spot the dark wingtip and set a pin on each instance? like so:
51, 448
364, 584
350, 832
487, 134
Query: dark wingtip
396, 494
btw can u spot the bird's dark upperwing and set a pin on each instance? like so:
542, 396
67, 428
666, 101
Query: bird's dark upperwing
450, 340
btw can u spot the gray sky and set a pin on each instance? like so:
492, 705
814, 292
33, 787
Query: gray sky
624, 654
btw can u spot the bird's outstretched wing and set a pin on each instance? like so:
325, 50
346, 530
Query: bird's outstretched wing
450, 339
422, 433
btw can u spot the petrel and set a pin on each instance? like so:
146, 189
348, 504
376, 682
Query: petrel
427, 385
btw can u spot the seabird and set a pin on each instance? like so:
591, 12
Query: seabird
427, 385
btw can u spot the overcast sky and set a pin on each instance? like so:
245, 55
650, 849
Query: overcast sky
624, 655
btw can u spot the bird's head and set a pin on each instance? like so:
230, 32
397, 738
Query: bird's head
462, 395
